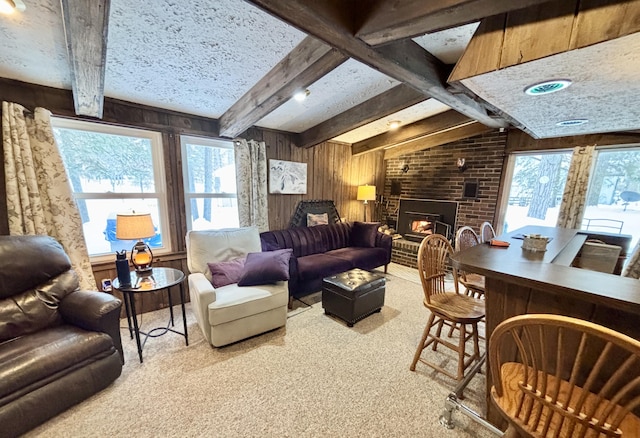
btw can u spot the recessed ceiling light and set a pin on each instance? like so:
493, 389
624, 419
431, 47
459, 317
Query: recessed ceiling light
547, 87
394, 124
573, 122
10, 6
301, 95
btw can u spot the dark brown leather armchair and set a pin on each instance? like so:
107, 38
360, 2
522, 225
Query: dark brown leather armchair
58, 344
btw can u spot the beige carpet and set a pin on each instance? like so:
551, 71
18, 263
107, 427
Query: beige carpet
315, 378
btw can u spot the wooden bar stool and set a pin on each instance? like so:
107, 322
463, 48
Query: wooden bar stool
555, 376
486, 232
447, 308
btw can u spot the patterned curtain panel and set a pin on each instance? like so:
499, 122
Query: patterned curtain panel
251, 178
632, 268
39, 196
574, 197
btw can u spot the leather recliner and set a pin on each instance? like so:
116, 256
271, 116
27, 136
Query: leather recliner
58, 344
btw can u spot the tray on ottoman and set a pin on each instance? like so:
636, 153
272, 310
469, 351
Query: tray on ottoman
353, 295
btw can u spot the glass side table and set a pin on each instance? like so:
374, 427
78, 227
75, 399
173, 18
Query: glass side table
157, 280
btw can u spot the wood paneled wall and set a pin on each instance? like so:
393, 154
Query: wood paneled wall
331, 171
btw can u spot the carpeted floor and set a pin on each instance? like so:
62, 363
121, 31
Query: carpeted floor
316, 377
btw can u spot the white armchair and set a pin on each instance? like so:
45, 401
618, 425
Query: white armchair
231, 313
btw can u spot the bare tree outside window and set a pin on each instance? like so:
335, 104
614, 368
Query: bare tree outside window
210, 183
112, 170
536, 189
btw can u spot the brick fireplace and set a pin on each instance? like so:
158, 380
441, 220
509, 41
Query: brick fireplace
433, 174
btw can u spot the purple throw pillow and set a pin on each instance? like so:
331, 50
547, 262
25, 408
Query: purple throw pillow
364, 234
224, 273
266, 267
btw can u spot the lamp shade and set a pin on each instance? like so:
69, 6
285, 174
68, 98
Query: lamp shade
131, 226
366, 193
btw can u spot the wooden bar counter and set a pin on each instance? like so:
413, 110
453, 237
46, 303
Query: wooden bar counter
520, 281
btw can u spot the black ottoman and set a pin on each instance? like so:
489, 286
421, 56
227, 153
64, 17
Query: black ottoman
353, 295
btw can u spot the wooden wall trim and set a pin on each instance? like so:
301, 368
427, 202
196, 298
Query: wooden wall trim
117, 112
518, 141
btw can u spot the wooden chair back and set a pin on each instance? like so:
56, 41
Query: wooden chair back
486, 232
466, 237
433, 254
558, 376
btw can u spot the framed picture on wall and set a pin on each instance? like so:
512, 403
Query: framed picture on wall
287, 177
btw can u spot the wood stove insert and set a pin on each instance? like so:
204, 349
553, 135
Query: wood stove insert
418, 218
423, 224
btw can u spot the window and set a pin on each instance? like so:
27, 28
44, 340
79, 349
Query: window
111, 170
613, 199
535, 189
209, 173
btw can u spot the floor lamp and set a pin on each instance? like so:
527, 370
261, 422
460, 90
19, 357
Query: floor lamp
366, 193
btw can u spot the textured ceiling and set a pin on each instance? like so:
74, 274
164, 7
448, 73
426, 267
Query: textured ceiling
448, 45
198, 59
32, 45
344, 87
202, 59
428, 108
605, 89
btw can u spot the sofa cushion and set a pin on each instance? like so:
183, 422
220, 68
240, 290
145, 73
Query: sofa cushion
321, 265
224, 273
30, 361
303, 240
363, 258
363, 234
37, 308
265, 267
336, 235
235, 302
41, 258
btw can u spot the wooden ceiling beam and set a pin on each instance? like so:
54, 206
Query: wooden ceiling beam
461, 132
398, 20
438, 123
404, 61
306, 63
389, 102
86, 25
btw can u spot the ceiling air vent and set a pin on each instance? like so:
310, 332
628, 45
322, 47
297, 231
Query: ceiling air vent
573, 122
547, 87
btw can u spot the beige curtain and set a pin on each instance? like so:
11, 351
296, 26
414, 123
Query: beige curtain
575, 191
632, 268
251, 179
39, 196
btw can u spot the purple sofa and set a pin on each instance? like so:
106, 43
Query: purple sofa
326, 250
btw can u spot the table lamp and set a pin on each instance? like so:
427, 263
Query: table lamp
132, 226
366, 193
